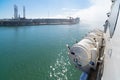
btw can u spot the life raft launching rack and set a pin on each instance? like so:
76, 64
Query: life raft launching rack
88, 55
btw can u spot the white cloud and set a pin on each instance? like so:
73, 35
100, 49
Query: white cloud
94, 16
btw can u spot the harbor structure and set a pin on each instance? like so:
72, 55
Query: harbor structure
15, 12
23, 21
24, 12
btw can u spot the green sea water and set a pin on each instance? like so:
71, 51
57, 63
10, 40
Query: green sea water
38, 52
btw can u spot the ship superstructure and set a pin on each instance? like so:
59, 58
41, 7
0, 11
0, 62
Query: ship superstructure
97, 55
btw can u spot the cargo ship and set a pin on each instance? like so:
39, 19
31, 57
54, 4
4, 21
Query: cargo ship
23, 21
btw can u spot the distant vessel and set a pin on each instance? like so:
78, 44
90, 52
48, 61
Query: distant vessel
30, 22
18, 21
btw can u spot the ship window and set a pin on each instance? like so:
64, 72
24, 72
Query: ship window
72, 53
114, 18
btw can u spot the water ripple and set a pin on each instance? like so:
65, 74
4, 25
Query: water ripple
58, 71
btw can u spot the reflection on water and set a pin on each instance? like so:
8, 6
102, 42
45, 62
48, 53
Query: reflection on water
59, 69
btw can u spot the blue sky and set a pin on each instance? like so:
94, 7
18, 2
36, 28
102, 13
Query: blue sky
41, 8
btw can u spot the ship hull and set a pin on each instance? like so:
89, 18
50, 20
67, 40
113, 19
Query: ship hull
31, 22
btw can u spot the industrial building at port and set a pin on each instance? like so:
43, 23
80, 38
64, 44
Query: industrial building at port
23, 21
16, 16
